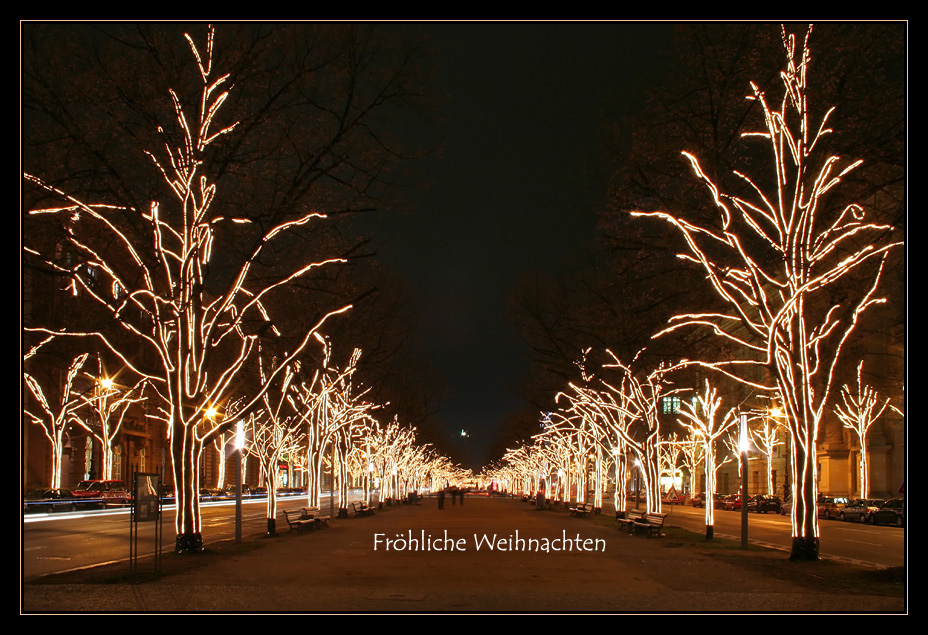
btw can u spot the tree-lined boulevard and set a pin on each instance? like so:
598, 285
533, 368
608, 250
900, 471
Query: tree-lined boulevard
204, 310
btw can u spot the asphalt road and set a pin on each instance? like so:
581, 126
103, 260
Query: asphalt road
58, 542
849, 541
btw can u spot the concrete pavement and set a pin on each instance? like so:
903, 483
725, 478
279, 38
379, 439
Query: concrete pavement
419, 559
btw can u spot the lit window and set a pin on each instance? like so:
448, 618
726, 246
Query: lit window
671, 405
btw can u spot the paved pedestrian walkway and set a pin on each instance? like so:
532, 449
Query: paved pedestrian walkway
489, 554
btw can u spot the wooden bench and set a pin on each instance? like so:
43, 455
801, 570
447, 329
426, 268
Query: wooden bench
310, 513
361, 509
628, 521
652, 522
583, 509
296, 518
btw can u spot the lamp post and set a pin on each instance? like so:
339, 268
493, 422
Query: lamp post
743, 416
239, 448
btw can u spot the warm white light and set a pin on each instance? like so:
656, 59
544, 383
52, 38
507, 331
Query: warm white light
239, 435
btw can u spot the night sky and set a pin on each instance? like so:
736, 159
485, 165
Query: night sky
511, 192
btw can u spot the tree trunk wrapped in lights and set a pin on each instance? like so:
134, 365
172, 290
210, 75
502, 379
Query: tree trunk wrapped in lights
796, 267
620, 463
693, 457
858, 413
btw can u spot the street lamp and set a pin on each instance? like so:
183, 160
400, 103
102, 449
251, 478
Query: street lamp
743, 446
239, 448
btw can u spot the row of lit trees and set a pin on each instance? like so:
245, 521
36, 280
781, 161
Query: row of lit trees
315, 424
795, 263
90, 400
323, 422
184, 281
593, 437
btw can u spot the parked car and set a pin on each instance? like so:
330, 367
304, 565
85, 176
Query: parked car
49, 500
763, 503
102, 492
831, 506
699, 500
860, 509
787, 507
733, 502
892, 512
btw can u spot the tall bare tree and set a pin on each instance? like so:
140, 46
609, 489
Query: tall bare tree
796, 264
707, 424
858, 413
54, 415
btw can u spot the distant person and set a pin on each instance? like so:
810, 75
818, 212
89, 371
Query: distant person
441, 498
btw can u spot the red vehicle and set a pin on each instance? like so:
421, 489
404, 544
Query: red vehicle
102, 492
733, 502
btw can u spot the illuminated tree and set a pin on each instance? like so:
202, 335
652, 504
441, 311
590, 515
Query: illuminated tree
702, 418
402, 465
526, 464
387, 444
184, 318
565, 441
669, 450
693, 456
732, 442
767, 440
858, 413
628, 409
796, 265
326, 405
54, 418
108, 405
221, 445
275, 431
